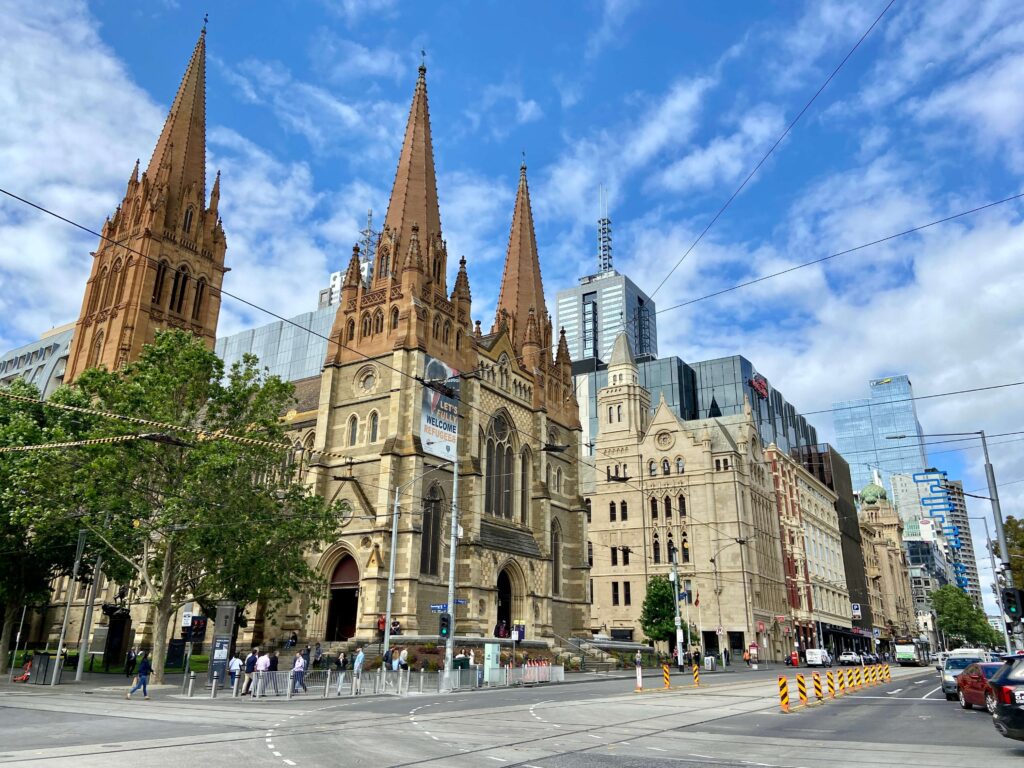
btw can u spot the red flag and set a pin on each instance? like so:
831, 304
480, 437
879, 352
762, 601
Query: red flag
696, 601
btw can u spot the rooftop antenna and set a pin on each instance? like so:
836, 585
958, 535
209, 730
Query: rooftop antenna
604, 233
368, 243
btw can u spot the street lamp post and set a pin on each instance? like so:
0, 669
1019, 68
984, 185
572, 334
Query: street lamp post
718, 588
394, 547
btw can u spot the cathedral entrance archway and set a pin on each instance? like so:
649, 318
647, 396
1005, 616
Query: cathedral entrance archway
504, 599
344, 603
511, 587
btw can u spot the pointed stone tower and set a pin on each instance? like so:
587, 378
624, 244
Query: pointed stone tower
406, 305
160, 260
623, 405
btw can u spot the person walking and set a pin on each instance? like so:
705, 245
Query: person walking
145, 668
250, 670
381, 623
746, 657
357, 667
341, 664
318, 656
403, 659
129, 662
274, 661
299, 674
262, 668
234, 669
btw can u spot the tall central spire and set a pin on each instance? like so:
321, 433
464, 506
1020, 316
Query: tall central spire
414, 194
521, 288
181, 148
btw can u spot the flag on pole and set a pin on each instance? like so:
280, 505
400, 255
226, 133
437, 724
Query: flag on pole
696, 600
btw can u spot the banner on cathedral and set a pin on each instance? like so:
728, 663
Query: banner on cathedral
439, 422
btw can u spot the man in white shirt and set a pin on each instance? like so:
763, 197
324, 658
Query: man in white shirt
262, 671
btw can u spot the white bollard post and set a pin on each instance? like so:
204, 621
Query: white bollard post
213, 688
291, 683
327, 683
191, 683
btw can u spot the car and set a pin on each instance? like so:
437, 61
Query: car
817, 657
849, 657
951, 671
1007, 684
972, 686
869, 658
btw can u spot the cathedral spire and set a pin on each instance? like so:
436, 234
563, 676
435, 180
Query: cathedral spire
521, 288
182, 143
414, 194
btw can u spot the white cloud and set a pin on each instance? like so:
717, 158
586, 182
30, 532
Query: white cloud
344, 60
614, 14
502, 106
528, 111
353, 11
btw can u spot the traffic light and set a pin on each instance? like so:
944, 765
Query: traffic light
197, 631
1013, 603
446, 625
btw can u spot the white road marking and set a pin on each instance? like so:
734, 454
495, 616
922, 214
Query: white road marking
706, 757
593, 736
658, 749
896, 691
290, 762
435, 738
499, 759
277, 754
269, 740
931, 692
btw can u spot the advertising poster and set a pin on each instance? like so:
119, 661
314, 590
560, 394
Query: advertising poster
439, 422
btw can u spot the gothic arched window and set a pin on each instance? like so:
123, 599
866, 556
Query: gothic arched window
178, 289
186, 225
524, 488
430, 540
499, 477
96, 351
681, 505
652, 468
679, 465
556, 558
623, 510
656, 550
384, 264
668, 507
97, 290
665, 469
654, 508
158, 283
374, 426
108, 291
671, 549
351, 330
558, 480
366, 323
458, 340
437, 327
353, 429
378, 322
618, 413
611, 511
447, 332
611, 414
394, 318
197, 303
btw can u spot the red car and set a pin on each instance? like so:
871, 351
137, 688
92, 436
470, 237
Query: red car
973, 688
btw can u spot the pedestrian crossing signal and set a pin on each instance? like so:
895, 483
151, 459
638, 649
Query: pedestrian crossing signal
446, 625
1013, 603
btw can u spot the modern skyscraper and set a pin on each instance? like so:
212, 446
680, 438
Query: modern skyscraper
160, 260
600, 308
966, 555
863, 426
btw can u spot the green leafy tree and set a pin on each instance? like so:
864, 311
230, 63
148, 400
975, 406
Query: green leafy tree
197, 517
958, 617
35, 547
1014, 530
658, 615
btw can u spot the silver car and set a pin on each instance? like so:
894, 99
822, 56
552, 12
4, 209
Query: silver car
951, 670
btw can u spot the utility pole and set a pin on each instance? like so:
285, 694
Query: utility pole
83, 647
997, 514
995, 578
67, 607
679, 621
449, 646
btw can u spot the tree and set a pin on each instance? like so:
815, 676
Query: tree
658, 615
958, 616
197, 517
35, 547
1014, 530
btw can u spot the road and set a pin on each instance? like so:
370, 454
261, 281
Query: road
732, 721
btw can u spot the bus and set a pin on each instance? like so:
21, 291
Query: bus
913, 652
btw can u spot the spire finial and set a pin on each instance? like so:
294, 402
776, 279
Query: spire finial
423, 63
522, 165
206, 20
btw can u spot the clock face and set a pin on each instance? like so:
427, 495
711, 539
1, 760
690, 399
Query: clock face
665, 440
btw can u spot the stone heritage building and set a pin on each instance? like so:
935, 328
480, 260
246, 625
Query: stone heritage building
696, 492
885, 565
812, 555
520, 555
160, 260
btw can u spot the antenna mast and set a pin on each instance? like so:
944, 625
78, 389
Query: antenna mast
604, 233
368, 243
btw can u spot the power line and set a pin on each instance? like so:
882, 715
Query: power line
870, 404
927, 443
774, 146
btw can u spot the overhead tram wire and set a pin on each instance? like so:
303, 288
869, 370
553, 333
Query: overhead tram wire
471, 406
774, 146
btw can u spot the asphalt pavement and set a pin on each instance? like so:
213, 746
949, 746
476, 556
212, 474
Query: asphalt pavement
733, 720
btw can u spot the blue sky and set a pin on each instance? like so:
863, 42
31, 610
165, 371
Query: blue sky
667, 104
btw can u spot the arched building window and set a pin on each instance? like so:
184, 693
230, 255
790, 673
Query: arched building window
525, 463
374, 426
499, 476
378, 322
96, 352
158, 283
556, 558
586, 509
353, 429
590, 554
394, 318
611, 414
623, 510
611, 511
186, 225
668, 507
654, 508
558, 480
108, 290
681, 505
679, 465
656, 550
178, 289
618, 413
430, 540
97, 291
197, 303
652, 468
367, 326
351, 333
665, 467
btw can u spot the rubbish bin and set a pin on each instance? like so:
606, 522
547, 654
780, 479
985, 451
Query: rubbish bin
710, 663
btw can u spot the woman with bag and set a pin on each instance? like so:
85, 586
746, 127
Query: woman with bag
142, 678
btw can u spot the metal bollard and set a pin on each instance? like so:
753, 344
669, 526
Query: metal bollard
213, 688
235, 686
355, 684
696, 676
831, 680
801, 689
817, 687
291, 684
784, 693
327, 685
191, 683
421, 679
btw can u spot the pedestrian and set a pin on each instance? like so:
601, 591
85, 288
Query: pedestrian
403, 659
357, 666
381, 623
396, 627
746, 658
292, 641
318, 655
638, 660
262, 668
129, 662
234, 668
145, 668
472, 657
299, 673
250, 670
395, 655
306, 653
274, 661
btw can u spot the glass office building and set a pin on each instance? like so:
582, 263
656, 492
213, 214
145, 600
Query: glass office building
596, 311
286, 348
862, 427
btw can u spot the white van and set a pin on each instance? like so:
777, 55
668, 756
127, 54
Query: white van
817, 657
974, 653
